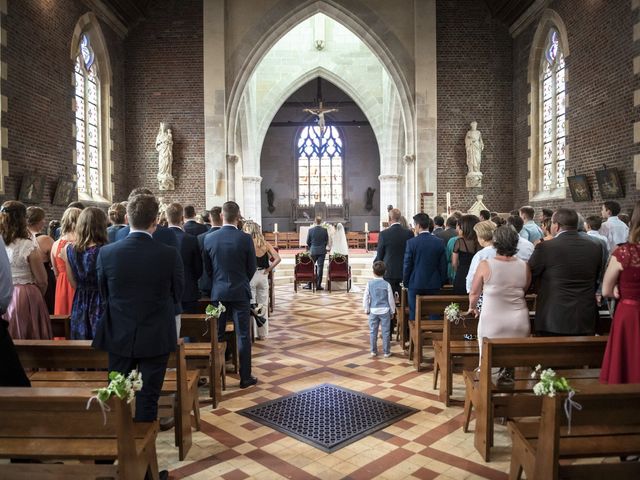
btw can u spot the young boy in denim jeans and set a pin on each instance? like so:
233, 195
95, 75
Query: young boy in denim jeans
379, 304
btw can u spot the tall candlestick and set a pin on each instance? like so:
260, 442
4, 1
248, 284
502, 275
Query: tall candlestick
448, 203
366, 226
275, 227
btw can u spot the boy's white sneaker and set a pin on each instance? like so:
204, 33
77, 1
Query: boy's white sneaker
387, 355
373, 354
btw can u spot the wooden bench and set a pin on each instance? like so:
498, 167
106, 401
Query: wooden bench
454, 351
567, 355
608, 425
60, 326
199, 328
68, 357
55, 424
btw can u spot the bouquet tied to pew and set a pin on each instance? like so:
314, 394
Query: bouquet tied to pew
121, 386
549, 384
452, 313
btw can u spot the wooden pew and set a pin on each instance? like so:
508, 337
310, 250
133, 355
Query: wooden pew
60, 326
567, 355
453, 350
72, 355
199, 328
608, 425
55, 424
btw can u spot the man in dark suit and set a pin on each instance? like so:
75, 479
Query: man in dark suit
392, 242
425, 263
449, 232
161, 234
317, 240
117, 217
231, 261
140, 280
565, 271
191, 259
215, 219
190, 225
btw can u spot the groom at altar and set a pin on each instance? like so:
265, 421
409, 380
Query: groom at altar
317, 240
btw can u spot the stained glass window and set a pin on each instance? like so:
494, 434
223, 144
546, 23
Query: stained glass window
319, 166
553, 114
87, 104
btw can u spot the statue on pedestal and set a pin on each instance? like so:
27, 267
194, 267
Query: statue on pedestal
164, 147
474, 146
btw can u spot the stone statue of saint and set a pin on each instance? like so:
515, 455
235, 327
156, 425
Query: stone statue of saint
474, 146
164, 147
368, 206
271, 208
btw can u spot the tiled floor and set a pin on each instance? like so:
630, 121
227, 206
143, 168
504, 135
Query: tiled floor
318, 338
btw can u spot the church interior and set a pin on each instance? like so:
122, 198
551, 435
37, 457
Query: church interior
341, 110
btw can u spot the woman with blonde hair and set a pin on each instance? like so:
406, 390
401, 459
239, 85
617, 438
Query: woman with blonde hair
260, 282
64, 290
35, 224
484, 230
80, 262
27, 313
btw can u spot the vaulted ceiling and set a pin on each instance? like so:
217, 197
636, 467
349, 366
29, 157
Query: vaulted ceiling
508, 11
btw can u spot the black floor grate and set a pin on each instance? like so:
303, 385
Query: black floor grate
327, 416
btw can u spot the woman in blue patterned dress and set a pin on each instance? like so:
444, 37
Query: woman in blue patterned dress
80, 259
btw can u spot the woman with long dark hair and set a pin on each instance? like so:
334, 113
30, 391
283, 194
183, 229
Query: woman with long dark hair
464, 249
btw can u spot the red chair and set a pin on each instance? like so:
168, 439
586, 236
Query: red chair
372, 241
339, 271
304, 271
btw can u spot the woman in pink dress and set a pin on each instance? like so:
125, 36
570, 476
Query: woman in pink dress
621, 363
27, 313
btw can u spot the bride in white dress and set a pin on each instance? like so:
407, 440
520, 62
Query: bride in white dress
339, 242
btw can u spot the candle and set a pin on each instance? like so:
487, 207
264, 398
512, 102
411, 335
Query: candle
448, 203
275, 227
366, 226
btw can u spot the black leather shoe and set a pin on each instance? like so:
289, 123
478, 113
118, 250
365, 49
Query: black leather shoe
307, 287
248, 383
320, 288
167, 423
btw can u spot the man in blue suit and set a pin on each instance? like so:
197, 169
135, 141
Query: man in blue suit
140, 280
425, 263
191, 259
230, 260
317, 240
215, 218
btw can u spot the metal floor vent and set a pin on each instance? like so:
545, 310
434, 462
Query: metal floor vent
327, 416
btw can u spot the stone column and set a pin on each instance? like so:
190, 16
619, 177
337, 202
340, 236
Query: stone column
389, 192
252, 207
215, 148
232, 160
410, 200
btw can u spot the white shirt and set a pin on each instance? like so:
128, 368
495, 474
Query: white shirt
525, 249
366, 300
139, 231
615, 231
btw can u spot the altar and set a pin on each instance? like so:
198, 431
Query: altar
303, 216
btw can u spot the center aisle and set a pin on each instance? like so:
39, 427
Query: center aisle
323, 338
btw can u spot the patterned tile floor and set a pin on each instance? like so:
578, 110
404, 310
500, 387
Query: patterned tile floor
318, 338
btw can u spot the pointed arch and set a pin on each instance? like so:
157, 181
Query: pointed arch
88, 27
549, 21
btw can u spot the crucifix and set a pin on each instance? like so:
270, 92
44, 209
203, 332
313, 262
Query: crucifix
320, 110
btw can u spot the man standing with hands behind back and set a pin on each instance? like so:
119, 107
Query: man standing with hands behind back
317, 240
230, 259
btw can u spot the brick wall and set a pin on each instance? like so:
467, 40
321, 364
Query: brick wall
474, 61
164, 83
39, 91
600, 98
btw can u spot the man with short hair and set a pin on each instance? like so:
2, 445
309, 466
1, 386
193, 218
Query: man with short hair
215, 220
425, 263
565, 272
525, 247
140, 280
392, 242
191, 226
449, 232
438, 223
191, 259
530, 231
614, 229
230, 260
485, 215
317, 240
117, 216
592, 225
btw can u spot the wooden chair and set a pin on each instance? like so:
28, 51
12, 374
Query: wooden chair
339, 271
567, 355
56, 424
304, 272
71, 356
372, 240
608, 425
352, 239
202, 331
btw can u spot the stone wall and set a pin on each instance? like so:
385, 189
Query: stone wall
600, 91
474, 83
164, 83
39, 95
